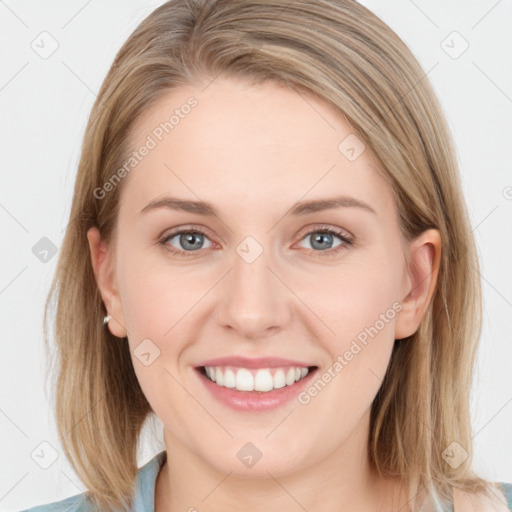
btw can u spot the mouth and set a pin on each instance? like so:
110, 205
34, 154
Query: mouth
256, 380
252, 385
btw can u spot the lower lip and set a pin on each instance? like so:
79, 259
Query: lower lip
255, 400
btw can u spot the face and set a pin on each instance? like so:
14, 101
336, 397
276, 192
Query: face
326, 290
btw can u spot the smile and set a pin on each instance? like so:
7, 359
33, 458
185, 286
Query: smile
262, 380
254, 384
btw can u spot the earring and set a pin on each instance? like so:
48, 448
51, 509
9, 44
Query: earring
106, 319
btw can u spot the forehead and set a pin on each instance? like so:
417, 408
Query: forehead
261, 145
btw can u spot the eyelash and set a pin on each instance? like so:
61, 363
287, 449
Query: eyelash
347, 241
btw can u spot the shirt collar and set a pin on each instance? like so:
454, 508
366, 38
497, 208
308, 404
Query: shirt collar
144, 499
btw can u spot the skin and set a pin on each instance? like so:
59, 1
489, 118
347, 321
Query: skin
253, 151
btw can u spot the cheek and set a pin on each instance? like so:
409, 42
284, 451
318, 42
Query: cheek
359, 305
351, 298
154, 293
155, 308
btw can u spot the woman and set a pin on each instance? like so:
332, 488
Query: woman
230, 140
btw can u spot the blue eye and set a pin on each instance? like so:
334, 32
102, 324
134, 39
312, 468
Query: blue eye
190, 241
325, 236
187, 239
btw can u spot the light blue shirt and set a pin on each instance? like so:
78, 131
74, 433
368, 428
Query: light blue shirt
144, 500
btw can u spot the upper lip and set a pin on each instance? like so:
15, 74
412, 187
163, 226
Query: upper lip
259, 362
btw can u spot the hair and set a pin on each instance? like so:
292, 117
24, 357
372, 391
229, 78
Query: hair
341, 52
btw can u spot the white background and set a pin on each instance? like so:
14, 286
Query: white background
44, 104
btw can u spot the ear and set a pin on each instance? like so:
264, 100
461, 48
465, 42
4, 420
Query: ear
420, 277
101, 259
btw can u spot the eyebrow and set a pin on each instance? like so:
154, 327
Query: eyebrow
300, 208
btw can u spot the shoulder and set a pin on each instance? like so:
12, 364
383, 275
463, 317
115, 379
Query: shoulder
143, 497
77, 503
506, 488
500, 499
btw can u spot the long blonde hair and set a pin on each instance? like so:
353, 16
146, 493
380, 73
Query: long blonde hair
343, 53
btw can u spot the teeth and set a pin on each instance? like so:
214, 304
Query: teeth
263, 380
279, 379
290, 377
229, 379
244, 380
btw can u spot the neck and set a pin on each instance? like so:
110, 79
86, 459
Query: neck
342, 482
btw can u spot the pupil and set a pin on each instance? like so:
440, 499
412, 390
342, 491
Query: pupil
320, 238
189, 239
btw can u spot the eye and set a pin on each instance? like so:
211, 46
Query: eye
189, 240
321, 239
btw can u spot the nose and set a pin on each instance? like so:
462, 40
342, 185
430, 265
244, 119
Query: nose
254, 300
